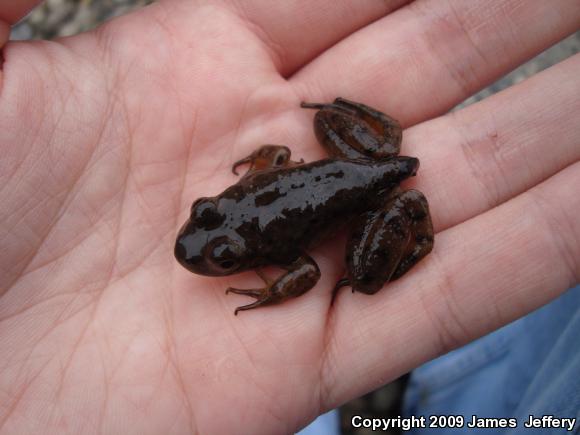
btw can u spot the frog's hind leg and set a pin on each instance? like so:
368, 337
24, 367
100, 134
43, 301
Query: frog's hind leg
353, 130
266, 157
386, 243
301, 276
421, 230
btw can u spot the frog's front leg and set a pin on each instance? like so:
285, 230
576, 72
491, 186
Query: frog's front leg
301, 276
266, 157
384, 244
353, 130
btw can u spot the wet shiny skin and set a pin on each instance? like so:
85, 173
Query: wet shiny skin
281, 208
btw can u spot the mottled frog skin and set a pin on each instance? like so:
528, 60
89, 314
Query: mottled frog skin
281, 208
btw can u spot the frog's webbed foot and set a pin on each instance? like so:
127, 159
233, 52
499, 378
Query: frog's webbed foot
266, 157
354, 131
389, 241
300, 277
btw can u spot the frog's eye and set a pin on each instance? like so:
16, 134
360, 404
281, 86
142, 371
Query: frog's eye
224, 255
205, 214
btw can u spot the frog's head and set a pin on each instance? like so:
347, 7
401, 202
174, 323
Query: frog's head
204, 246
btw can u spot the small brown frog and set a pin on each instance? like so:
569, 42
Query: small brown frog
281, 208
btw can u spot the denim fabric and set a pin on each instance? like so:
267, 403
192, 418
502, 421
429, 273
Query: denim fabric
325, 424
529, 367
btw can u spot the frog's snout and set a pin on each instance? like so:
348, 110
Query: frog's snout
187, 252
179, 251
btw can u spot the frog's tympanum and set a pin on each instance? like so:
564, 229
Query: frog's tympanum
281, 208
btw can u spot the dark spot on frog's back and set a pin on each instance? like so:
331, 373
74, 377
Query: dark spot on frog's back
267, 198
336, 174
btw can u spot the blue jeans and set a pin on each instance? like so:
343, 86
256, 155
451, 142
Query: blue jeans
529, 367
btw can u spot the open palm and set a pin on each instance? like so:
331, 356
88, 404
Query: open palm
107, 137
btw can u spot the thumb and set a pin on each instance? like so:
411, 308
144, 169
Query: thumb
11, 12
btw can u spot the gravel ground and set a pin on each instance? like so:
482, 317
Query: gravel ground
56, 18
67, 17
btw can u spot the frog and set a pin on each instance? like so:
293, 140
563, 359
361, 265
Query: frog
280, 209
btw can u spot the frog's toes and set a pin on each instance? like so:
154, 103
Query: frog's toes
240, 163
253, 292
256, 304
306, 105
344, 282
266, 157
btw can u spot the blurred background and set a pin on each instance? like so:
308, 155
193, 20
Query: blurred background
58, 18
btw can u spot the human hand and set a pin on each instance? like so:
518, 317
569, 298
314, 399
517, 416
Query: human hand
107, 138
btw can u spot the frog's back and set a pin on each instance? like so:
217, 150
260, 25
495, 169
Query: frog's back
299, 205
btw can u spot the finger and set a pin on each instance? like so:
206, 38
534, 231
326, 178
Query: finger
11, 11
4, 36
481, 275
428, 56
475, 159
297, 31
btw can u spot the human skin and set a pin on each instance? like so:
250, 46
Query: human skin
107, 137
